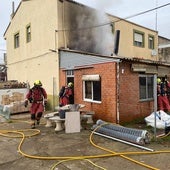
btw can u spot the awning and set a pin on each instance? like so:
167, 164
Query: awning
161, 71
144, 68
95, 77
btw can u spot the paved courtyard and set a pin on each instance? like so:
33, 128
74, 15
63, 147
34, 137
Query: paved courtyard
45, 149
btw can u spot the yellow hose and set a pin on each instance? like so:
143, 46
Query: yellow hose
53, 167
15, 134
121, 155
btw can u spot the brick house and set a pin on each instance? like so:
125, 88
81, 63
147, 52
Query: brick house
122, 89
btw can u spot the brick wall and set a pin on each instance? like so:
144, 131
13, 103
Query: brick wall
106, 110
62, 76
130, 106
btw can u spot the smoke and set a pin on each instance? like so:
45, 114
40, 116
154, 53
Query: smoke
91, 31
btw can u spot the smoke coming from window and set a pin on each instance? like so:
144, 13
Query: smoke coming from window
90, 31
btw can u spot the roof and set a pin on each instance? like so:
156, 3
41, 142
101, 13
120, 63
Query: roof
12, 17
121, 58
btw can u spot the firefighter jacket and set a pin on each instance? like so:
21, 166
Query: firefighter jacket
36, 94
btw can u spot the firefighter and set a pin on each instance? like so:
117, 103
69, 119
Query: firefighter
162, 99
66, 94
168, 87
37, 96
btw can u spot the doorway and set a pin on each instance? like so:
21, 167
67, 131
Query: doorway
70, 78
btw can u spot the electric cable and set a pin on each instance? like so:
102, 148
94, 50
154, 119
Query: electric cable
117, 20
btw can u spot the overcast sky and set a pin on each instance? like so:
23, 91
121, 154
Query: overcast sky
156, 20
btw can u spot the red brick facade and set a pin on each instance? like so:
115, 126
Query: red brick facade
129, 106
106, 110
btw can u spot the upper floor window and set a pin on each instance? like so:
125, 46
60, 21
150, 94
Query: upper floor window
138, 39
16, 40
28, 33
146, 86
92, 88
151, 42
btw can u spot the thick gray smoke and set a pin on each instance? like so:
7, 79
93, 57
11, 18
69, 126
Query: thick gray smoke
91, 31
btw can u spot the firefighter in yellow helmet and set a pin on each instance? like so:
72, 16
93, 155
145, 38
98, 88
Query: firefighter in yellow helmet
37, 96
66, 94
70, 84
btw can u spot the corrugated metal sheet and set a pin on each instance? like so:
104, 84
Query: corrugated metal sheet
70, 60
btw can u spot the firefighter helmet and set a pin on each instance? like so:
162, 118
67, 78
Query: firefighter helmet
158, 80
70, 84
37, 83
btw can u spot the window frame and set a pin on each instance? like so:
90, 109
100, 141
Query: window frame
16, 40
153, 42
70, 73
28, 33
91, 99
146, 88
137, 43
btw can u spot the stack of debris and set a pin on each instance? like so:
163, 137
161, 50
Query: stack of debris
13, 103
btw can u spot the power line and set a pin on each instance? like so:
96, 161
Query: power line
119, 19
153, 9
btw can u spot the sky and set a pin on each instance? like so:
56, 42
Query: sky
157, 19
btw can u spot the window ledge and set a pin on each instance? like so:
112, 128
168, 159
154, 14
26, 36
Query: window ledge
92, 101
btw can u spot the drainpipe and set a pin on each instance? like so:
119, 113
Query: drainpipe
63, 21
117, 91
54, 92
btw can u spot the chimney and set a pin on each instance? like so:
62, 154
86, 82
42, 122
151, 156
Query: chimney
13, 9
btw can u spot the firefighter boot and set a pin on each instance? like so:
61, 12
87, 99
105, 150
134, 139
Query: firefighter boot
33, 125
39, 115
32, 121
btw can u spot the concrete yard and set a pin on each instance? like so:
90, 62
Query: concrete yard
47, 148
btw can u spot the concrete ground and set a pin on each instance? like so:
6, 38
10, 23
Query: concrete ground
45, 150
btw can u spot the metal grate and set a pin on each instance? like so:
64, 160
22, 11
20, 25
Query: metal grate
138, 136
